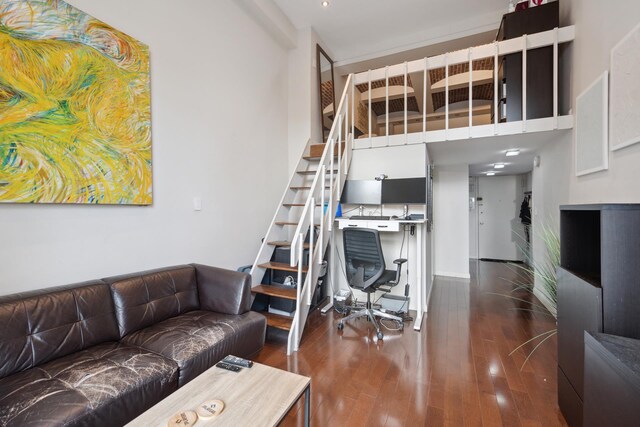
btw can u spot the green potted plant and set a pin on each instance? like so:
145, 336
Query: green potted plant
542, 272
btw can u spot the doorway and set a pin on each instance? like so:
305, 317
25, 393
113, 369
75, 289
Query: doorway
501, 234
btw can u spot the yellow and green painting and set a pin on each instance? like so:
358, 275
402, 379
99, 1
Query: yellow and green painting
75, 114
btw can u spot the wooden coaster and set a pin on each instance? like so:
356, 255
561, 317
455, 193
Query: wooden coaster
182, 419
210, 409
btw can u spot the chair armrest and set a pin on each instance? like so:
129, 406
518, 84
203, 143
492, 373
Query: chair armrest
399, 263
223, 291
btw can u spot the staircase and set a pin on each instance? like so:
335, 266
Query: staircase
303, 222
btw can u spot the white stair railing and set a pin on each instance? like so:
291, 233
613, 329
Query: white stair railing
332, 167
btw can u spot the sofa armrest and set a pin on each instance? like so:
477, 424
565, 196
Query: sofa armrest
223, 291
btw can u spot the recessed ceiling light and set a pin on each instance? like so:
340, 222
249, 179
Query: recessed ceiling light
325, 3
490, 173
499, 166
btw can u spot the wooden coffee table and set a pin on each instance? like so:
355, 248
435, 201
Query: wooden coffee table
256, 396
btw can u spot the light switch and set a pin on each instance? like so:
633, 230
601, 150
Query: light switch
197, 204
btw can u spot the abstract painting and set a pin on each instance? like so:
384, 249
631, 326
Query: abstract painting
75, 108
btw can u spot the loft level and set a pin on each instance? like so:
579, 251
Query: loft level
463, 94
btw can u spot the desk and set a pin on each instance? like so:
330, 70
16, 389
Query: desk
393, 225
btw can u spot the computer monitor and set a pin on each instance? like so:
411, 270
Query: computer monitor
361, 192
404, 191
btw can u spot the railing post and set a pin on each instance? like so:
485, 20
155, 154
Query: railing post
331, 181
311, 250
470, 92
496, 113
324, 214
424, 102
370, 140
353, 104
339, 142
386, 77
524, 83
446, 96
346, 118
405, 105
555, 78
300, 258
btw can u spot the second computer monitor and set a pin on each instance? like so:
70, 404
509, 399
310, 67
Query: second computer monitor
361, 192
404, 191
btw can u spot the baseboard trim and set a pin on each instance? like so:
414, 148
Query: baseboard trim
456, 275
545, 301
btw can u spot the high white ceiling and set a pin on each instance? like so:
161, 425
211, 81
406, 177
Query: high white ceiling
357, 29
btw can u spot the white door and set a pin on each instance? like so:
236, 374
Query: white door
500, 230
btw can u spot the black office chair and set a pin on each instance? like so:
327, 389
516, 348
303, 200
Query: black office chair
365, 268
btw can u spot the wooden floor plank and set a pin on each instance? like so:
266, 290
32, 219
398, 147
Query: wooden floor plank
456, 371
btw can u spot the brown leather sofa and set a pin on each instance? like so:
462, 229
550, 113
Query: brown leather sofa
99, 353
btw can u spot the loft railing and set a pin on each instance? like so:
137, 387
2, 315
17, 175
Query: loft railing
493, 50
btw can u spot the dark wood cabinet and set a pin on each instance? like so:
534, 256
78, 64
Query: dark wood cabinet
598, 289
539, 65
611, 381
579, 310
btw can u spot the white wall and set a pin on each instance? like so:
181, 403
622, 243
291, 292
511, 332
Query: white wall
396, 162
219, 103
299, 97
451, 220
599, 26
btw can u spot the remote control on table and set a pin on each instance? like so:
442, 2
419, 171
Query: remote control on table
228, 367
238, 361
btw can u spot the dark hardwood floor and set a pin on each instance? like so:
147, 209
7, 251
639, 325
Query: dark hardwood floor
457, 371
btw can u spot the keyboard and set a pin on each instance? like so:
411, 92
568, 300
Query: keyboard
379, 217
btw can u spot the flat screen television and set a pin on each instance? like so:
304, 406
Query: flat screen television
361, 192
405, 191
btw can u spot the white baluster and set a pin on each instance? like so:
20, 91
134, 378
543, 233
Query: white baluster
524, 83
424, 103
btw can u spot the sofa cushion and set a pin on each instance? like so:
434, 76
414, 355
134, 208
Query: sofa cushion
43, 325
108, 384
223, 291
199, 339
146, 298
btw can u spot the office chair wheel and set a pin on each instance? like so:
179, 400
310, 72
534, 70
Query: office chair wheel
380, 335
340, 326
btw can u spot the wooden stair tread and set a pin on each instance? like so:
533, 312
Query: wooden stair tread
314, 172
290, 223
316, 157
282, 267
307, 187
278, 321
284, 243
276, 291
